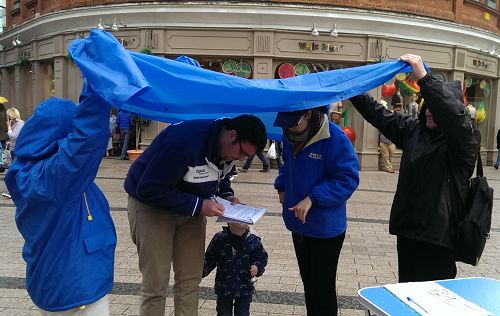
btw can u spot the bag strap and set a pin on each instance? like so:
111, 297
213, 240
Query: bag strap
479, 170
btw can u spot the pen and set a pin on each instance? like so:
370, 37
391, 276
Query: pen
412, 301
214, 199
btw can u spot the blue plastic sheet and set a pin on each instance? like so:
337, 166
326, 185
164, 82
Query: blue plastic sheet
166, 90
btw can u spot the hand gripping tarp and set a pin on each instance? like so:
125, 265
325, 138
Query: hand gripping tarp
166, 90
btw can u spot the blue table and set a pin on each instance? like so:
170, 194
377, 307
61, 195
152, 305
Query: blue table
484, 292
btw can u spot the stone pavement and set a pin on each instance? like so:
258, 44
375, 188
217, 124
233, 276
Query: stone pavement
368, 256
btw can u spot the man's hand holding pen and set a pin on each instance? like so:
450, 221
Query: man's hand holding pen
211, 208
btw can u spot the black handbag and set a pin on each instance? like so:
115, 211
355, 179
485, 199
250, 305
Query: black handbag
474, 229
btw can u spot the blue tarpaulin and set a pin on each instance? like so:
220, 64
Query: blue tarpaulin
166, 90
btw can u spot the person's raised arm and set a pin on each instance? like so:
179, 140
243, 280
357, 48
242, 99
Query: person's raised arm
73, 168
394, 125
445, 103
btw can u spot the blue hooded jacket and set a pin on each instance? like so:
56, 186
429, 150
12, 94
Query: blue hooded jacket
326, 170
69, 246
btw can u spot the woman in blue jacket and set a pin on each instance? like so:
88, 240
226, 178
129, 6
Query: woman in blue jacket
69, 236
319, 174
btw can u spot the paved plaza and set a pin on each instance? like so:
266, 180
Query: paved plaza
368, 256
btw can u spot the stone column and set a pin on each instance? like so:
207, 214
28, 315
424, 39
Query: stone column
60, 77
36, 85
263, 50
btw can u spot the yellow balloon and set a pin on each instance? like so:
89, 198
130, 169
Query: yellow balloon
480, 116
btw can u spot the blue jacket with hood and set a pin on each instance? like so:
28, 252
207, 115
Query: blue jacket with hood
326, 170
69, 246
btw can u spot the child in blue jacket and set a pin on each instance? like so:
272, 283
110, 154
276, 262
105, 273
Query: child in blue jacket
239, 257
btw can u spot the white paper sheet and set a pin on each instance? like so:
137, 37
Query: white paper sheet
240, 213
432, 299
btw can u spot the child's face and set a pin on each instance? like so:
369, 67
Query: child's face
237, 228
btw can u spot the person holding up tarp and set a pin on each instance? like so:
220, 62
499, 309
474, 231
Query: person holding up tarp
319, 174
69, 236
172, 188
439, 151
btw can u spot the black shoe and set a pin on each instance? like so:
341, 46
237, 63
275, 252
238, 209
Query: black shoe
264, 170
495, 166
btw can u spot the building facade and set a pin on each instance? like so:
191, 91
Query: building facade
458, 39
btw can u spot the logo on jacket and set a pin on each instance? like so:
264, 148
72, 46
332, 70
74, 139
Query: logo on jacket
200, 174
315, 156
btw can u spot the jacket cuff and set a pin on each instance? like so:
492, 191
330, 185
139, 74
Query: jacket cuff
226, 194
313, 199
197, 206
260, 269
425, 79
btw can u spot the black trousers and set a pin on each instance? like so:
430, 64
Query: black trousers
422, 261
241, 305
318, 259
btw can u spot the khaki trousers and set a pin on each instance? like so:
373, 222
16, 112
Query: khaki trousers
164, 239
387, 151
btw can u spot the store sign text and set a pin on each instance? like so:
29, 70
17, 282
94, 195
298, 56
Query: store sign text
480, 63
327, 47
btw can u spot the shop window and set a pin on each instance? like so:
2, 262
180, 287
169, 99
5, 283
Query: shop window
340, 112
478, 94
231, 66
291, 69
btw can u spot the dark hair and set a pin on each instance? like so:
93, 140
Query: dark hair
396, 99
249, 128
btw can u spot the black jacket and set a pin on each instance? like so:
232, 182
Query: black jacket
436, 164
233, 256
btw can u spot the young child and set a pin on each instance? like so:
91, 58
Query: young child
239, 256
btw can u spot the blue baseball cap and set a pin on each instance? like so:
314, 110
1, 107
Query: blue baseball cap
289, 119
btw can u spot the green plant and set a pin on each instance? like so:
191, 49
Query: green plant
139, 126
24, 63
146, 50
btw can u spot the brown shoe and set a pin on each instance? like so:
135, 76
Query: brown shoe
389, 170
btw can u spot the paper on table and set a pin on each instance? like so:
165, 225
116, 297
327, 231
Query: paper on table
240, 213
430, 298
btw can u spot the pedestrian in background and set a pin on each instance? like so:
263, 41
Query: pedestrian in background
239, 257
498, 148
64, 218
112, 130
387, 148
124, 124
439, 153
14, 126
319, 174
248, 163
4, 137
